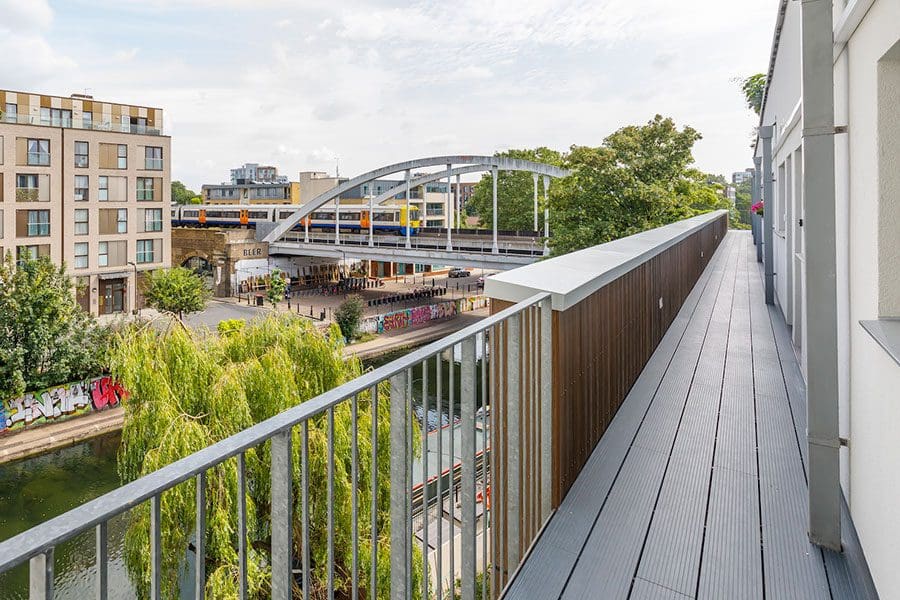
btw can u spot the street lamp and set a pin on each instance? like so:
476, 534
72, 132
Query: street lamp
137, 307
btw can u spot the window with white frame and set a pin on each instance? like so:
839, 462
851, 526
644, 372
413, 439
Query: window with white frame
122, 220
81, 255
103, 254
38, 223
82, 227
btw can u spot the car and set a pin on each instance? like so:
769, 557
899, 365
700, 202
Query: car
457, 272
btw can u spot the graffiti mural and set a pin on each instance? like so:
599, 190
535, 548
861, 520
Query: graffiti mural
38, 408
474, 303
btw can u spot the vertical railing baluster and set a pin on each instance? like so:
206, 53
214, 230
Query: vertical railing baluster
304, 506
546, 408
200, 534
330, 503
513, 480
399, 486
425, 479
354, 482
452, 478
485, 462
467, 427
281, 516
242, 525
439, 404
102, 537
40, 576
534, 429
373, 576
155, 549
409, 424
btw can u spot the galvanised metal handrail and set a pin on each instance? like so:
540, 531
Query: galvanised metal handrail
531, 352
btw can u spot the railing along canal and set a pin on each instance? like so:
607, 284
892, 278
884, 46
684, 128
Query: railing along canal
516, 341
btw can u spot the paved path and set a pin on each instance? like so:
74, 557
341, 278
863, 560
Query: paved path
37, 440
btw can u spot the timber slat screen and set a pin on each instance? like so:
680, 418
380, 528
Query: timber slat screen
600, 346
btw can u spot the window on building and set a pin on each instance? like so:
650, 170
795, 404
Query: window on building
81, 255
153, 219
103, 192
81, 154
145, 188
122, 220
11, 112
82, 226
32, 252
122, 156
145, 251
27, 188
38, 223
45, 116
38, 152
153, 158
103, 254
60, 117
82, 188
87, 119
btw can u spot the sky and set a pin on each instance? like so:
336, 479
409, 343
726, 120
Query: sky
301, 84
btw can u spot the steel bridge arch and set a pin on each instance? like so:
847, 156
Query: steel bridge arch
483, 162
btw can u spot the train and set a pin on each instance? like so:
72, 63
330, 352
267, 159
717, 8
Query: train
353, 219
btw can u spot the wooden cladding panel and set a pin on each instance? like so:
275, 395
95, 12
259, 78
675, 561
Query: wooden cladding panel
601, 345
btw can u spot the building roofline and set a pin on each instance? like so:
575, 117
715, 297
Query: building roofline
69, 97
776, 42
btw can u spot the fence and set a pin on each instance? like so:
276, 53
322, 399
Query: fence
525, 329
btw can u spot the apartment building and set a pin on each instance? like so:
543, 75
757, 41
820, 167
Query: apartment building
86, 183
257, 173
251, 193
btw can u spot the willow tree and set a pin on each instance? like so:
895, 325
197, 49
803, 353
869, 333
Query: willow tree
191, 390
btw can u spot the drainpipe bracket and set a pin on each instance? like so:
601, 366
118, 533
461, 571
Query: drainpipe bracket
826, 442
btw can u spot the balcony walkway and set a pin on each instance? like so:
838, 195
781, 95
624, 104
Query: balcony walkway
698, 489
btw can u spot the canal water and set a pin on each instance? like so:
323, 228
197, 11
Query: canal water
39, 488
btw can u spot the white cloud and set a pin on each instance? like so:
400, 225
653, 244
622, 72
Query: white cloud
25, 15
126, 55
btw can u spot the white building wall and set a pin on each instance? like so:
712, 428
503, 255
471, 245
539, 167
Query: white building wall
869, 379
874, 467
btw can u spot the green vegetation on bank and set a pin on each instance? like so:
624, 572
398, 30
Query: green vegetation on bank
46, 339
188, 391
177, 291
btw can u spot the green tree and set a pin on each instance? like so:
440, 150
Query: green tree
277, 287
182, 195
754, 87
45, 337
742, 202
188, 391
348, 316
515, 193
177, 290
639, 178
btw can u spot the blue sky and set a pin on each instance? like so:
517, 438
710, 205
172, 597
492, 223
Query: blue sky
297, 83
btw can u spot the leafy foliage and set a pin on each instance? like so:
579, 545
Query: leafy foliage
277, 287
515, 193
45, 337
182, 195
177, 290
189, 391
348, 316
638, 179
228, 326
742, 201
754, 87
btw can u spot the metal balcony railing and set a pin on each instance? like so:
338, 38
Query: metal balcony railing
153, 164
515, 370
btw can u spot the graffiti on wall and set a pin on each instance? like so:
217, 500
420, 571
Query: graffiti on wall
473, 303
38, 408
409, 317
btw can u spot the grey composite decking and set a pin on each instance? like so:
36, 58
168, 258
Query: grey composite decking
698, 488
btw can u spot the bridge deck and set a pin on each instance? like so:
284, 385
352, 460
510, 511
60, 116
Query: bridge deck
698, 489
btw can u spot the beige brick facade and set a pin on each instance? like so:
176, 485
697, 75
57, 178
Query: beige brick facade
93, 193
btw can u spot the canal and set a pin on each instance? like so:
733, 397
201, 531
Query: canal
39, 488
